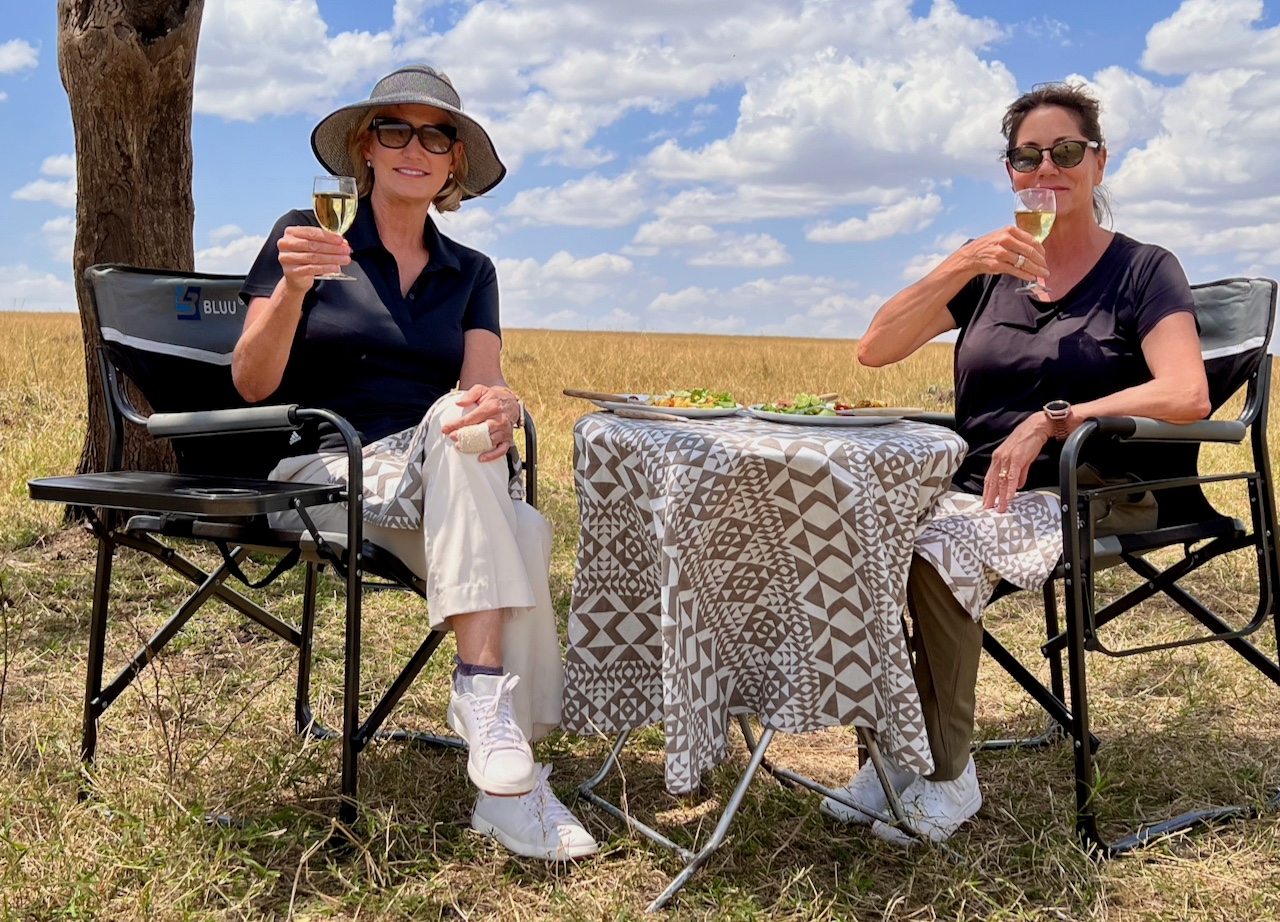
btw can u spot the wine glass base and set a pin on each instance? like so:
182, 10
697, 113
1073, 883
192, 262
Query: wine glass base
336, 277
1029, 288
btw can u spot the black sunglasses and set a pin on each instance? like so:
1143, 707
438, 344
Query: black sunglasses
1066, 154
396, 134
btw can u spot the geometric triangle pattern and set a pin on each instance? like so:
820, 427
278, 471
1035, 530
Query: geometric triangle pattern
734, 566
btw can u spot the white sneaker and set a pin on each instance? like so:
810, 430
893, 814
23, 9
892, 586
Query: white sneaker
865, 790
935, 809
500, 760
535, 825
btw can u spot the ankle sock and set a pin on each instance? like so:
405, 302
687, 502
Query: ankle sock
462, 673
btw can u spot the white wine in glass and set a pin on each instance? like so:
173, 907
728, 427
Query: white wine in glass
335, 201
1033, 212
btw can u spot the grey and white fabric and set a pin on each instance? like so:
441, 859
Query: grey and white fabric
745, 566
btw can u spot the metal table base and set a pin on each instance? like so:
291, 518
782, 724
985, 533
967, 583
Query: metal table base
695, 860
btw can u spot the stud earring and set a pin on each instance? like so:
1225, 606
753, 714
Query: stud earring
369, 164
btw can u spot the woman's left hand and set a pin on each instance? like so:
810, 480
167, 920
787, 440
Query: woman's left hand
496, 407
1011, 462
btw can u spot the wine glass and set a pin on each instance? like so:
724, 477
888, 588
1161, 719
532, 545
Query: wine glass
1033, 212
335, 202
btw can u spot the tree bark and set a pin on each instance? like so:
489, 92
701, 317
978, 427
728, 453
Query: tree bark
128, 67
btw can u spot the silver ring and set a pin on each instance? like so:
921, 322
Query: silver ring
1017, 263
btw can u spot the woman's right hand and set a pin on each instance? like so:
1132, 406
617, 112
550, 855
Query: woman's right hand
997, 253
306, 252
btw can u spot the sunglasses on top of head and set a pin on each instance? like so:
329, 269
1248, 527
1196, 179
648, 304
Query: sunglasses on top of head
1066, 154
396, 134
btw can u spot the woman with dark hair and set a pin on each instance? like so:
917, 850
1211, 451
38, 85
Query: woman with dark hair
1115, 336
408, 349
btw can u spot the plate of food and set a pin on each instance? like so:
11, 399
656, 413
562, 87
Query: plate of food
812, 410
698, 403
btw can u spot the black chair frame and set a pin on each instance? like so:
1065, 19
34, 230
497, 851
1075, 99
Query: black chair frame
1201, 540
137, 509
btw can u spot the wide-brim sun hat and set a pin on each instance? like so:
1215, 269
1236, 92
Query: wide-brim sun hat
416, 85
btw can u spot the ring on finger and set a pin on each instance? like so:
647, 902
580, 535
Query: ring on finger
1004, 474
1020, 261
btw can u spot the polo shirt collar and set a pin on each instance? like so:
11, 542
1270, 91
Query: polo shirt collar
363, 235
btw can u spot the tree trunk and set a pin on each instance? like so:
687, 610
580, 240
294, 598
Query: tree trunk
128, 67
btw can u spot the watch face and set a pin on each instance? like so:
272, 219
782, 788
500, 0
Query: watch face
1057, 406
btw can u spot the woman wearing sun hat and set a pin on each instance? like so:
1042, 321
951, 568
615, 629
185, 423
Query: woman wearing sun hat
387, 349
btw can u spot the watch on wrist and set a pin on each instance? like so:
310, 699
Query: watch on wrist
1058, 412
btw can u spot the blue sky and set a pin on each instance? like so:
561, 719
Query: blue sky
736, 166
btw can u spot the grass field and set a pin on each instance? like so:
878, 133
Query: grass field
208, 728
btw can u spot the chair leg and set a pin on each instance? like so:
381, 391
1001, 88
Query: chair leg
351, 695
1052, 628
97, 646
303, 718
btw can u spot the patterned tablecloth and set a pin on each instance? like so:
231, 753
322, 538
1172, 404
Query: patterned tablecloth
739, 565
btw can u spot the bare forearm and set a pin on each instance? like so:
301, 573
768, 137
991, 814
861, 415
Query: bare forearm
1174, 400
913, 316
260, 356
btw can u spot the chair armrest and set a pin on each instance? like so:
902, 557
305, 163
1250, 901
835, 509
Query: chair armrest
214, 422
947, 420
1141, 428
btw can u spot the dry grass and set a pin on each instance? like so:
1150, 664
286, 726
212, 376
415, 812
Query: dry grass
207, 730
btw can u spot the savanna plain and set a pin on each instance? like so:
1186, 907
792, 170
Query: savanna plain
207, 730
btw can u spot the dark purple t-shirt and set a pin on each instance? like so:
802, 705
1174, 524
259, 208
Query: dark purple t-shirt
378, 357
1015, 353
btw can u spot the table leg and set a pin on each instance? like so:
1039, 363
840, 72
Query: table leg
722, 828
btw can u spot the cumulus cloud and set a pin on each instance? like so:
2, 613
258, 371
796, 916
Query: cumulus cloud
746, 250
471, 226
60, 236
27, 289
1209, 35
61, 192
593, 201
229, 253
17, 54
905, 217
276, 57
792, 305
533, 293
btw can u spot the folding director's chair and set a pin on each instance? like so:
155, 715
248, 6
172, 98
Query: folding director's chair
172, 334
1236, 318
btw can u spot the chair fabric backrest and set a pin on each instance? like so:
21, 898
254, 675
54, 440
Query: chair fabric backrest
1237, 318
172, 335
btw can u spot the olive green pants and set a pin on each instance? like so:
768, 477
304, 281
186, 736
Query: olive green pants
946, 642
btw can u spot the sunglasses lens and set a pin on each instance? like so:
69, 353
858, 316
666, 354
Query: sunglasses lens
1068, 153
394, 136
1026, 159
434, 140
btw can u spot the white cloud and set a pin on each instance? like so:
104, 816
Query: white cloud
27, 289
59, 165
471, 226
793, 305
745, 250
1212, 34
275, 57
233, 256
62, 194
16, 55
920, 265
3, 96
592, 201
533, 293
225, 232
60, 235
905, 217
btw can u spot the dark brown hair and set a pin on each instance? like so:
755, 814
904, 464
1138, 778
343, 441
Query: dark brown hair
1082, 104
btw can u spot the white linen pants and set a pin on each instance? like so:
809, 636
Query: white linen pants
477, 550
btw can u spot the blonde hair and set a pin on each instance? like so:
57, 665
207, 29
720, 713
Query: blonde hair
447, 199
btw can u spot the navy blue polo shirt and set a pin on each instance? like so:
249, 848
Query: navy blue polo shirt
364, 350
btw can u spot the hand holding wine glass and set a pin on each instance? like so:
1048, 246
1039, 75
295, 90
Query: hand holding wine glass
335, 201
1034, 211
